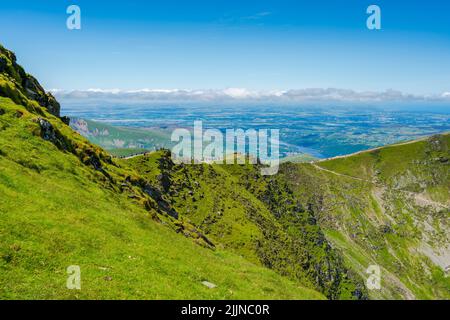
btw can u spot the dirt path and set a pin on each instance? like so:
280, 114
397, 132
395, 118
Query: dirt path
338, 174
133, 156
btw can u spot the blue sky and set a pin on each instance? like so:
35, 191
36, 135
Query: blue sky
215, 44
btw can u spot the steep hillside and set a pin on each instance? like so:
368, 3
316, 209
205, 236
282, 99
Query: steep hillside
251, 217
387, 207
146, 227
390, 207
65, 202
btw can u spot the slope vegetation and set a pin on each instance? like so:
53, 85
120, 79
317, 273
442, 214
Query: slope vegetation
66, 202
146, 227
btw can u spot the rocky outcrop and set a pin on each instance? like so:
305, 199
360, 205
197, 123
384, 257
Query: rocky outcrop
34, 91
50, 133
27, 85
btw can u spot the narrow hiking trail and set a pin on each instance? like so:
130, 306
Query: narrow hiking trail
373, 149
133, 155
338, 174
419, 199
315, 163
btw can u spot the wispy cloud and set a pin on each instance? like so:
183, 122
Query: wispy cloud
257, 16
252, 18
242, 94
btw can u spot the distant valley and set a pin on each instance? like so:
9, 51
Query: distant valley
305, 132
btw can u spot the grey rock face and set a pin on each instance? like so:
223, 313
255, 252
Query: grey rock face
49, 133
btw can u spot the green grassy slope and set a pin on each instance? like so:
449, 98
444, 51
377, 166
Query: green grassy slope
66, 202
147, 228
56, 211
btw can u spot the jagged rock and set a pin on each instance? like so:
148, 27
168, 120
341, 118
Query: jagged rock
94, 161
152, 192
66, 120
165, 207
34, 91
3, 64
49, 133
165, 181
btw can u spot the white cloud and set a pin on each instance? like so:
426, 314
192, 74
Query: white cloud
111, 91
237, 93
242, 94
